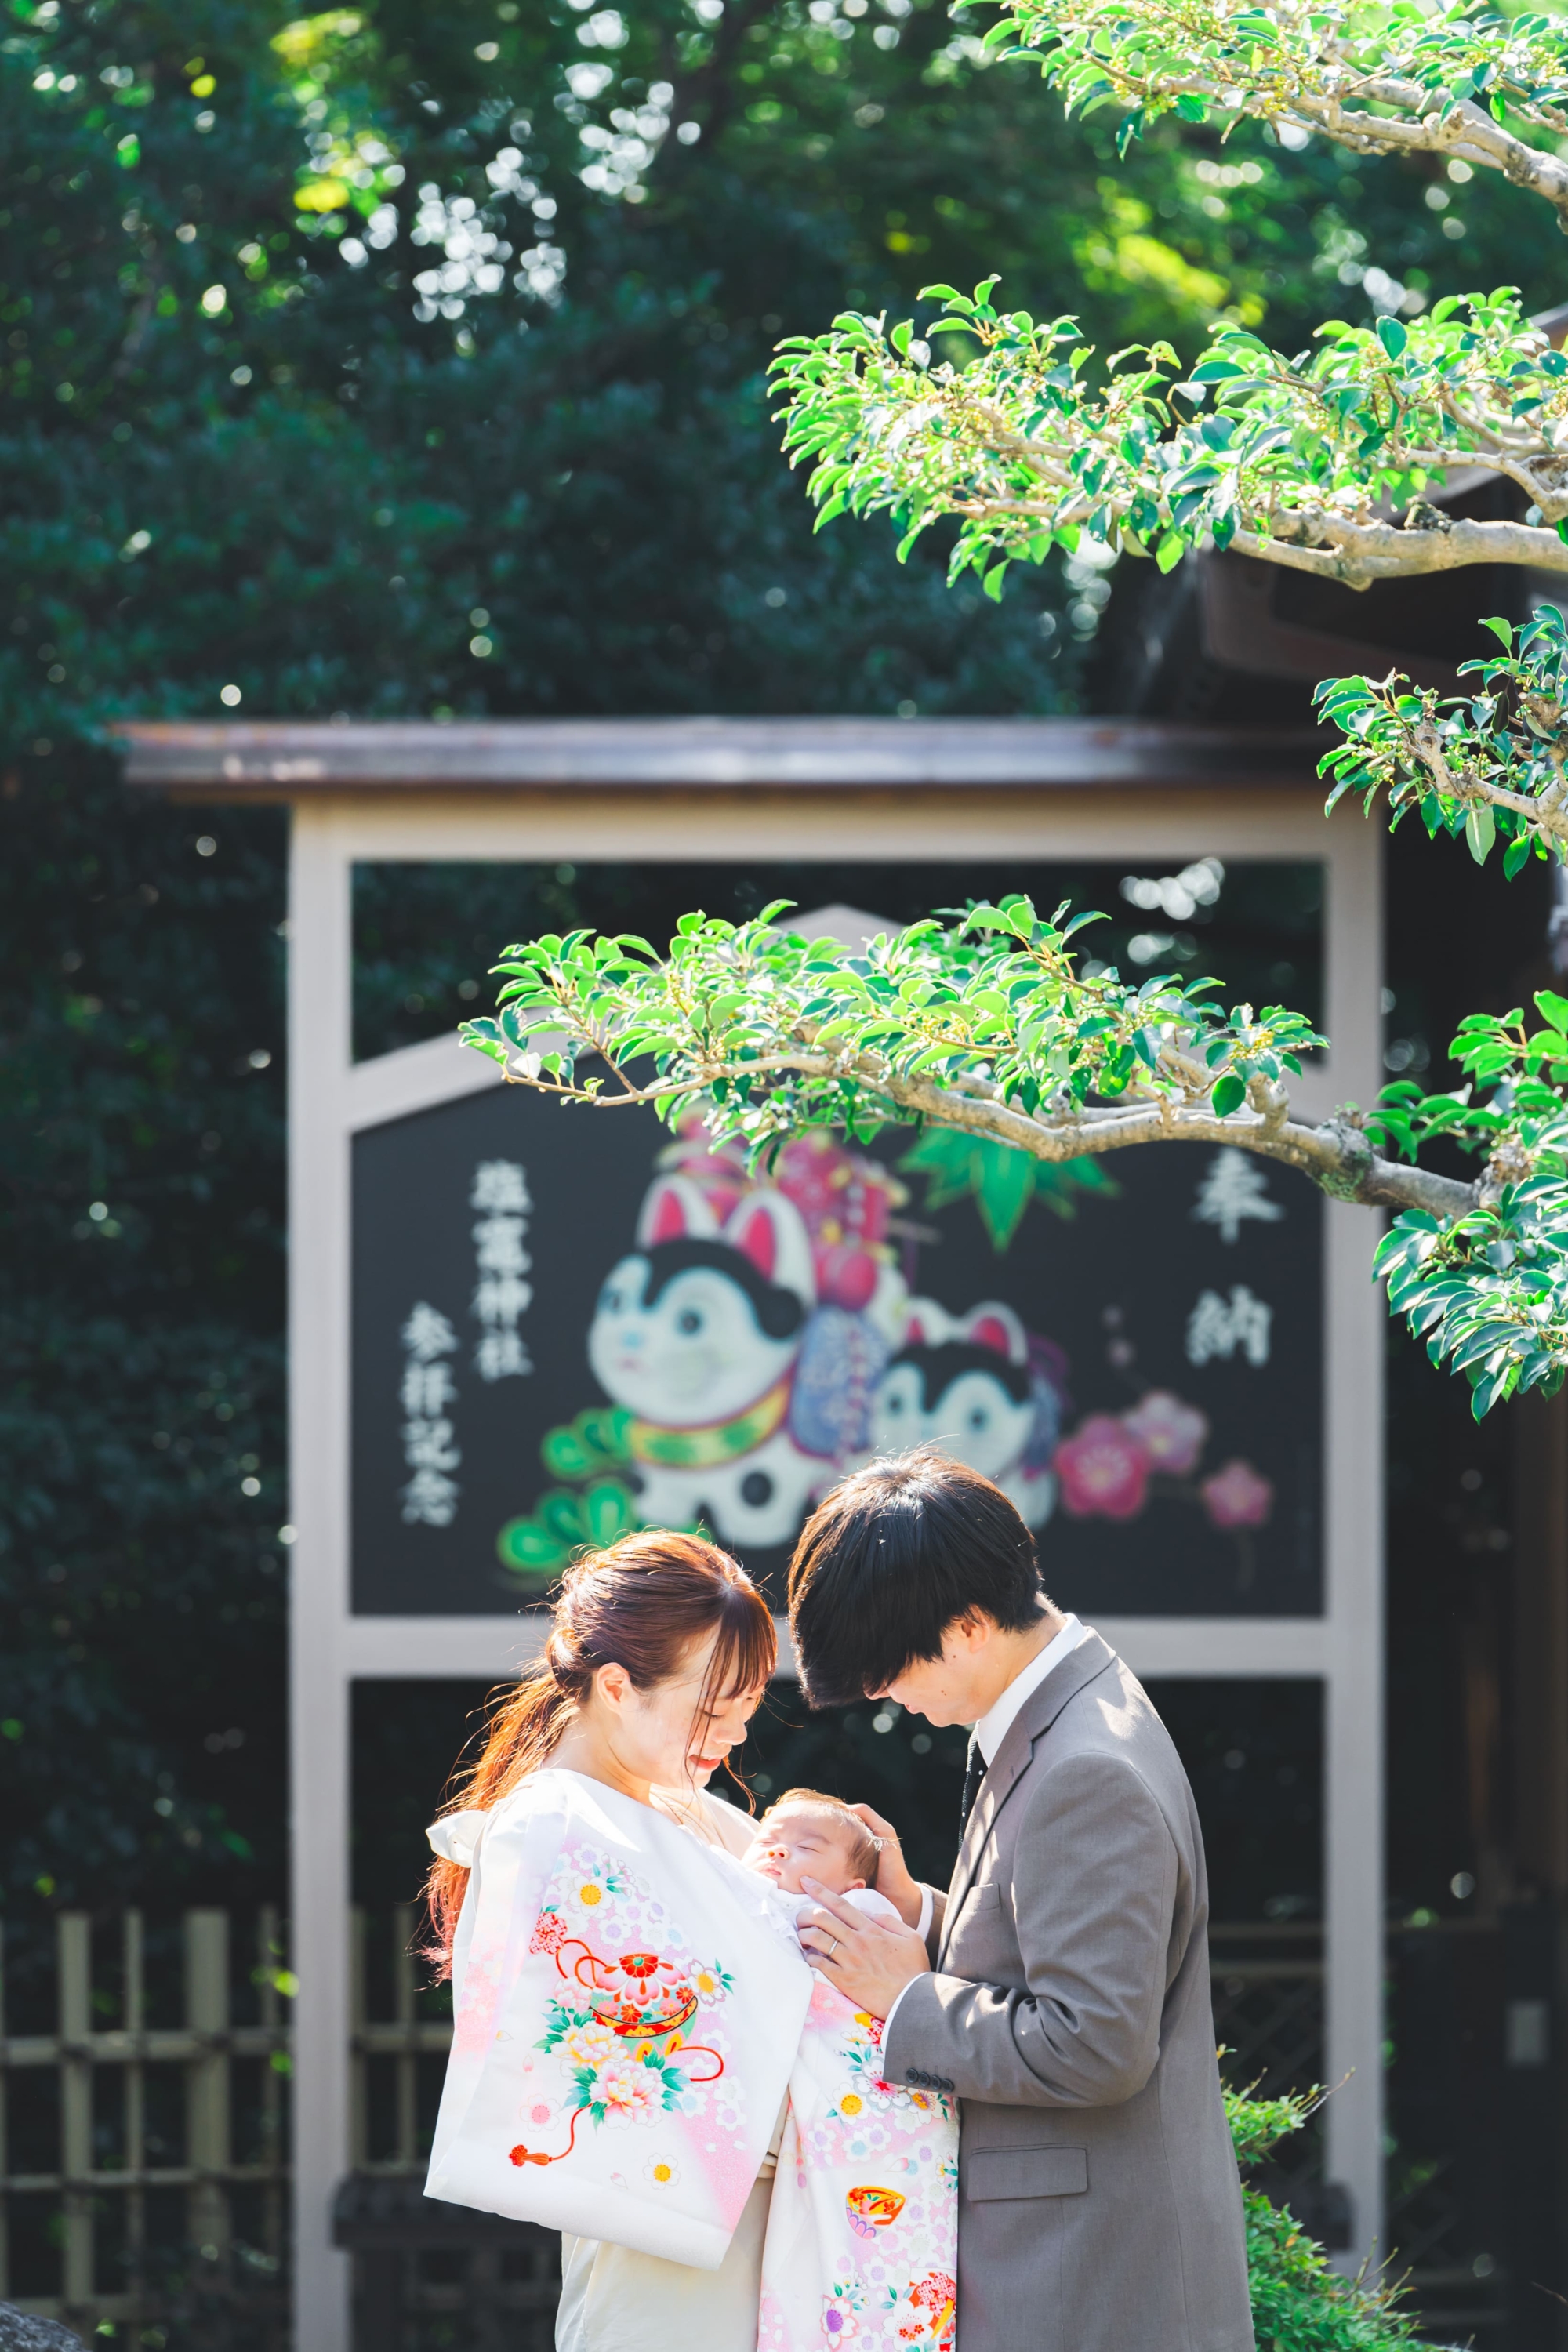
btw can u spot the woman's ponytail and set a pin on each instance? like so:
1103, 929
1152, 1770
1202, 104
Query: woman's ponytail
640, 1604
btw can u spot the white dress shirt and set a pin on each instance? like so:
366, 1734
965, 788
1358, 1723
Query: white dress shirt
994, 1723
993, 1728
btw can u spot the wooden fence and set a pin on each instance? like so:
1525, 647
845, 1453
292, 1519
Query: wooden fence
118, 2143
144, 2135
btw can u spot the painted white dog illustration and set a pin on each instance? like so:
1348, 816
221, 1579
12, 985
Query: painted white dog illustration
697, 1333
964, 1382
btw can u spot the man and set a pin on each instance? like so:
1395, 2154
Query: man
1060, 1988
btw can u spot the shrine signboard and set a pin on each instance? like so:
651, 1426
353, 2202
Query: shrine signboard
566, 1323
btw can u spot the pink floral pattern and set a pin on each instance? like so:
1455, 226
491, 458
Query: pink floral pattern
622, 2026
1105, 1466
591, 1925
1103, 1470
1173, 1434
1237, 1496
862, 2244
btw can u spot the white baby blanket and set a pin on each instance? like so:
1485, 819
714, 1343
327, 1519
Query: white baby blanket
619, 2054
862, 2243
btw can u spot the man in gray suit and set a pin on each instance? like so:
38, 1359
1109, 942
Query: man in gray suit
1061, 1986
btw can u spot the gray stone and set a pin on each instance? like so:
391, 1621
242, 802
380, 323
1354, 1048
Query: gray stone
20, 2332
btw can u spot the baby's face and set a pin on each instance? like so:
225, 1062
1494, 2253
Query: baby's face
806, 1838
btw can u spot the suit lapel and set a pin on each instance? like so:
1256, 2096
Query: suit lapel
1031, 1723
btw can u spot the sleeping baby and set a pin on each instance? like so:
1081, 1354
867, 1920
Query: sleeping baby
863, 2229
805, 1834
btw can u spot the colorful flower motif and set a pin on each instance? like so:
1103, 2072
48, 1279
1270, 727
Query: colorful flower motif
1103, 1469
549, 1932
615, 2024
935, 2297
586, 2043
1237, 1496
1173, 1434
870, 2210
661, 2171
850, 2103
839, 2305
627, 2091
713, 1984
592, 1878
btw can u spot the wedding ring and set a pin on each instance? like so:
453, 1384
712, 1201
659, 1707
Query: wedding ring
832, 1946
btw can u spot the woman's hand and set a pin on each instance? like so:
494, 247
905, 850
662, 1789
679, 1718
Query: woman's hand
893, 1879
868, 1961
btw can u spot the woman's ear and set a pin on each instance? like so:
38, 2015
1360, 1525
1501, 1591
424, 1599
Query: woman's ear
613, 1685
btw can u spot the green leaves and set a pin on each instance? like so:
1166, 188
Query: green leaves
1026, 449
1487, 1292
1418, 68
1299, 2304
1481, 832
765, 1033
1019, 1067
1490, 764
1001, 1181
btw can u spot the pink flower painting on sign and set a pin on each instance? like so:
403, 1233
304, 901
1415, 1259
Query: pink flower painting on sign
1237, 1496
1173, 1434
1103, 1469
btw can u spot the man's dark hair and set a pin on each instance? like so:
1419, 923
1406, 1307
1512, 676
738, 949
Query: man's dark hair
890, 1558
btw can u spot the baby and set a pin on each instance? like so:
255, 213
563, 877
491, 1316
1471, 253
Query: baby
862, 2236
804, 1833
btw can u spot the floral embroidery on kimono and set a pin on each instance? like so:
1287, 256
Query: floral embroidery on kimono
862, 2241
627, 2007
622, 2026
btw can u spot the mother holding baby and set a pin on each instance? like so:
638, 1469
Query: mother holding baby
632, 1998
659, 1653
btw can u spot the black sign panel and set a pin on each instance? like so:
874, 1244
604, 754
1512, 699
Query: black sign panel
567, 1323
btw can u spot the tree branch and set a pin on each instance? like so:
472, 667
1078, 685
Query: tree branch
1337, 1156
1307, 464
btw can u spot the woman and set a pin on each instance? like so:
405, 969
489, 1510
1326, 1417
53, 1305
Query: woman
659, 1651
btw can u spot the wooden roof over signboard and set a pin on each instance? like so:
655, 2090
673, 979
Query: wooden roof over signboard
300, 760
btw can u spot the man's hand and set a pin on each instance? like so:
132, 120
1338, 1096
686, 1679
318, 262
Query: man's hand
868, 1961
893, 1879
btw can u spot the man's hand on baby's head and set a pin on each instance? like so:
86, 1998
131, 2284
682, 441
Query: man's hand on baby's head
892, 1878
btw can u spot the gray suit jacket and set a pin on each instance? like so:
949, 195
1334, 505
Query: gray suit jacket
1099, 2204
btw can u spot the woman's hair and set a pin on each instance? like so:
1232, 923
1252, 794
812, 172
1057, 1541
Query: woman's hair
641, 1604
888, 1560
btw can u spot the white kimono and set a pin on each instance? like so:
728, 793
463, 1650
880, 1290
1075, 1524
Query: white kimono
619, 2054
619, 2061
862, 2232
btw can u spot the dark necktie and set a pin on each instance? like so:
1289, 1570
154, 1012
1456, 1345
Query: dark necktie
973, 1773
